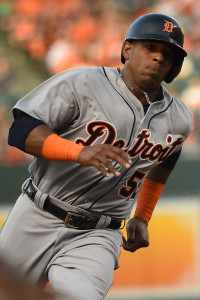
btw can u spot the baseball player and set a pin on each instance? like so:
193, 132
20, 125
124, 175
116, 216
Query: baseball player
101, 137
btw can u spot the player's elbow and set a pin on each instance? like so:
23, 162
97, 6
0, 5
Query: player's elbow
15, 139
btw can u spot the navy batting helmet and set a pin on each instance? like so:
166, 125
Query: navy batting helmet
159, 27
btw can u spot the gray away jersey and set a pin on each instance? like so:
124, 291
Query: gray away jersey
92, 105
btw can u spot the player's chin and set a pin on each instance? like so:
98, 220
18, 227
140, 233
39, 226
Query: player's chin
150, 83
154, 77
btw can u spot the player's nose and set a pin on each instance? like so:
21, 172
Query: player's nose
158, 57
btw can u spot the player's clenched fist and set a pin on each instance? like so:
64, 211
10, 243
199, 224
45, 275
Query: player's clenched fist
137, 234
102, 157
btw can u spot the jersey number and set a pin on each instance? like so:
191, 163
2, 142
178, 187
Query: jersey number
132, 185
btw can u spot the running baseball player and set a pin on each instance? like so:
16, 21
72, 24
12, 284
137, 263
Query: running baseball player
101, 138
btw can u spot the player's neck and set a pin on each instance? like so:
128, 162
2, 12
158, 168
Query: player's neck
143, 96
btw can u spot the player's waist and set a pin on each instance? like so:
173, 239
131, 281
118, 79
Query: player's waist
72, 216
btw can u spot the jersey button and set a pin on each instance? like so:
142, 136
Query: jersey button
138, 108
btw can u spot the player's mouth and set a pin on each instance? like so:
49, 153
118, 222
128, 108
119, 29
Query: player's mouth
154, 71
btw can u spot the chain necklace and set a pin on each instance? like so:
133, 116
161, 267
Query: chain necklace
140, 91
136, 89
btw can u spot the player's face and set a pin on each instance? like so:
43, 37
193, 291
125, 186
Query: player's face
148, 63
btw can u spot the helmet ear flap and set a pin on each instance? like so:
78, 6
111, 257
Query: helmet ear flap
175, 70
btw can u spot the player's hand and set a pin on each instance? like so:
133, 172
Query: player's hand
102, 157
137, 235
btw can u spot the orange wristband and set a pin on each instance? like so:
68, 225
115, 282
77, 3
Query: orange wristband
57, 148
147, 199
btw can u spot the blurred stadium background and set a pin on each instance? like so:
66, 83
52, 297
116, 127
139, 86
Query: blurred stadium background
39, 38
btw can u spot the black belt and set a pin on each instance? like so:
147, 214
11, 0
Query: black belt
71, 219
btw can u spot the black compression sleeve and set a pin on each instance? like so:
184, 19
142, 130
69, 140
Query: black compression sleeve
171, 161
20, 129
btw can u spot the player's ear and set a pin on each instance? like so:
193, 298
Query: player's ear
126, 49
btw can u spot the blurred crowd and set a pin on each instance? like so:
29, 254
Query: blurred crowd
61, 34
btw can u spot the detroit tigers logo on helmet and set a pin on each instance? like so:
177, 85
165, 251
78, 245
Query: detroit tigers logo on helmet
168, 26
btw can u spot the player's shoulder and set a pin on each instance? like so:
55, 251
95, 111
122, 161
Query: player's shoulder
183, 109
81, 71
179, 111
178, 104
78, 75
75, 77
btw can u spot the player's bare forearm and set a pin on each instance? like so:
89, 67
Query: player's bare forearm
36, 138
137, 235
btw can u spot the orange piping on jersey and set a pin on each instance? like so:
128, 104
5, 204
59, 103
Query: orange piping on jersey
147, 199
57, 148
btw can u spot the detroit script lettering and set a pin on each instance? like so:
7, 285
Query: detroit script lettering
142, 146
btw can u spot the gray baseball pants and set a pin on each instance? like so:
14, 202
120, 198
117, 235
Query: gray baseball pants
79, 264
